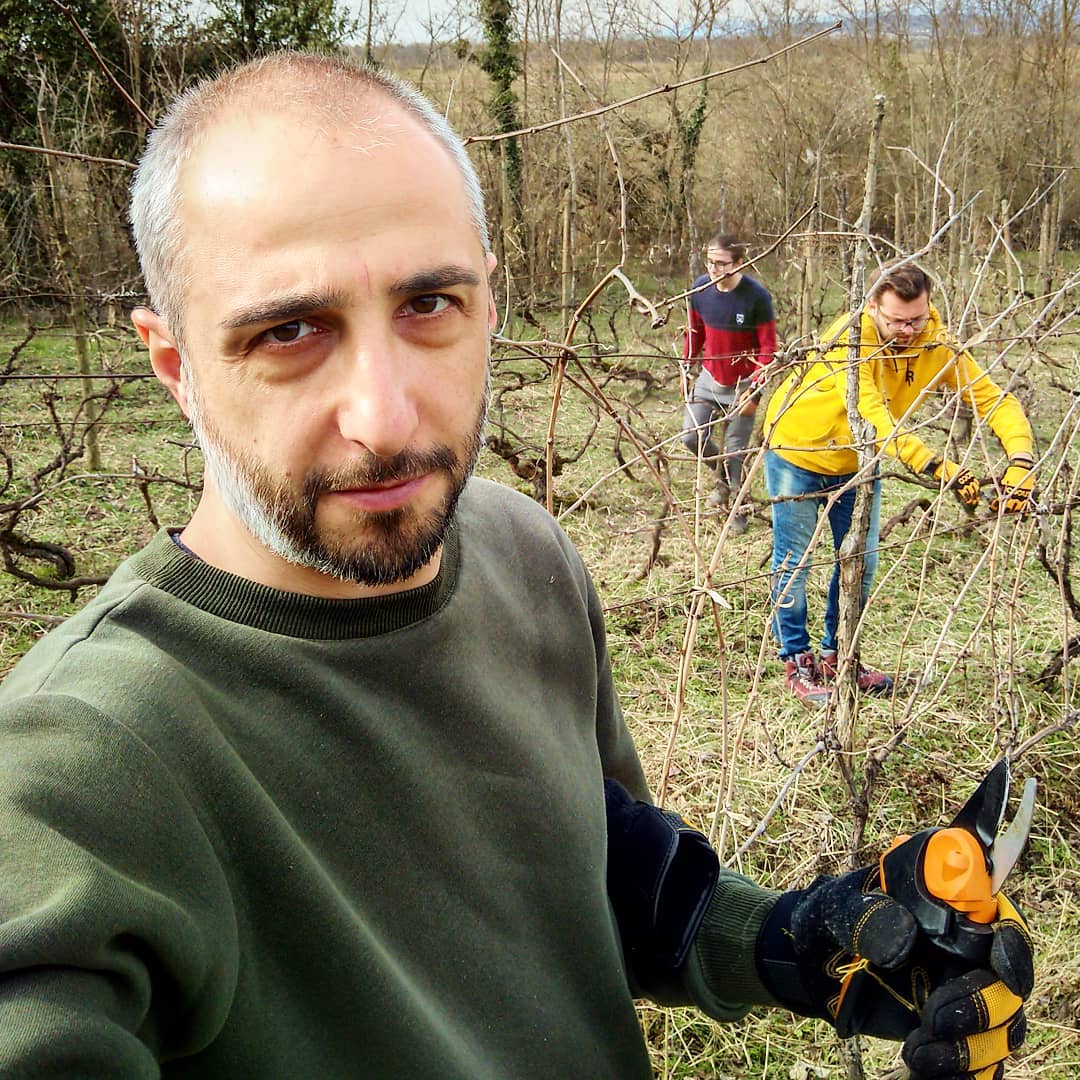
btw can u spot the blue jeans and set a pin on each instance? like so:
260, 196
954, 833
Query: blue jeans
793, 525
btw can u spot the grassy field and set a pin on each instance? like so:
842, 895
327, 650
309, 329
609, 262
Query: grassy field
963, 610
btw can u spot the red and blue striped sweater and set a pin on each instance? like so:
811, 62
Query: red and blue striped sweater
736, 330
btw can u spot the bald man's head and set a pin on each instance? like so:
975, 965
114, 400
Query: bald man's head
327, 95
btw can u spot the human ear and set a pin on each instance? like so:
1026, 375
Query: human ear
489, 263
164, 353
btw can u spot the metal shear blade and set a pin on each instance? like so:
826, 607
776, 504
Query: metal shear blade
1007, 847
982, 816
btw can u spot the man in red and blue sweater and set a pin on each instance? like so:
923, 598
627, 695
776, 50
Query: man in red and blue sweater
731, 322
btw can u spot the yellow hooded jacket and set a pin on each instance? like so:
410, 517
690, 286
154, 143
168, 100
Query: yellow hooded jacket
806, 419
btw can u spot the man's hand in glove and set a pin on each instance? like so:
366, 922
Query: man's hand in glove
1017, 488
747, 402
845, 952
960, 481
972, 1023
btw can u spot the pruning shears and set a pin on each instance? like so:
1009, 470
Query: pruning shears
949, 878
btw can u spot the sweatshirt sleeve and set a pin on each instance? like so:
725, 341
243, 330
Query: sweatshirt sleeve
891, 436
618, 754
765, 330
695, 334
995, 406
766, 344
720, 974
117, 937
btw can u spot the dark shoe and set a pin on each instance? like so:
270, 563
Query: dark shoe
868, 682
801, 677
738, 525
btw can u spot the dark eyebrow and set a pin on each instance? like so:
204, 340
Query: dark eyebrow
442, 277
294, 306
282, 309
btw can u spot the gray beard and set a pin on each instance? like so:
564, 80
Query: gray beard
384, 549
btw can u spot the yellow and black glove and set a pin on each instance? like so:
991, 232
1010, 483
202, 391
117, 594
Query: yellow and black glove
973, 1022
960, 481
843, 951
1016, 488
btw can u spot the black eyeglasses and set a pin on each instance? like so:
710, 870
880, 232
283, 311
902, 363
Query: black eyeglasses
916, 325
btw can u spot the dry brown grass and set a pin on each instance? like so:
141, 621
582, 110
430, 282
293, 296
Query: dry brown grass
970, 618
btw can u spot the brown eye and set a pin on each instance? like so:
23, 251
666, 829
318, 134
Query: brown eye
288, 333
428, 305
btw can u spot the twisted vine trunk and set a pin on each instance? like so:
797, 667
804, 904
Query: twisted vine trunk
854, 543
863, 435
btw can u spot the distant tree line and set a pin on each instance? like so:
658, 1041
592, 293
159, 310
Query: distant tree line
982, 109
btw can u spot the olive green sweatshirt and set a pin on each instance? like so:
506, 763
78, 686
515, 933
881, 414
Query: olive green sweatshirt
248, 833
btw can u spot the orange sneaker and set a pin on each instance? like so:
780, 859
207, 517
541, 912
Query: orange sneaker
802, 678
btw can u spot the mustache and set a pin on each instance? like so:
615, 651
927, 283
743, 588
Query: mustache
405, 465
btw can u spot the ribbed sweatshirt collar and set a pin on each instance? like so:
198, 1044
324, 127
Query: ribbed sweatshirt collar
165, 566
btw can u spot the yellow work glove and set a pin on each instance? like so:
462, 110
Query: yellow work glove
960, 481
971, 1024
1016, 487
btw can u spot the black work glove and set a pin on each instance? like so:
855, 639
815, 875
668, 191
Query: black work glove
660, 877
973, 1022
813, 948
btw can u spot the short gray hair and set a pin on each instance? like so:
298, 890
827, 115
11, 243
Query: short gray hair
320, 82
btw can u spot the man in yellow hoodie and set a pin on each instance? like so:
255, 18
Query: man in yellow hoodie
811, 459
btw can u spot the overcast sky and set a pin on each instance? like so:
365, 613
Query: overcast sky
408, 20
